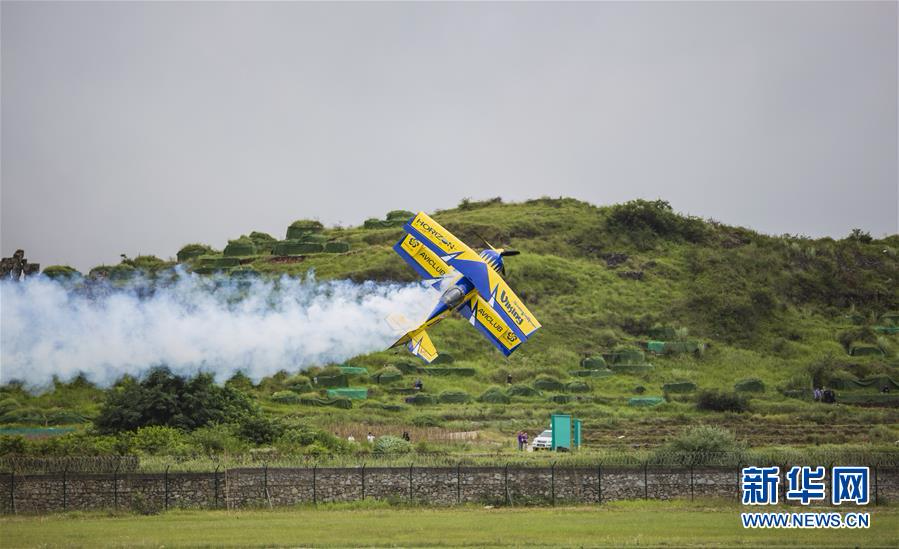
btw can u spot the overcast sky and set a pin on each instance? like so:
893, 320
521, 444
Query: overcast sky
135, 128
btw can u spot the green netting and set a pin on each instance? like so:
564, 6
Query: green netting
494, 396
657, 347
593, 363
577, 387
296, 247
337, 247
301, 387
356, 393
401, 215
373, 223
303, 227
890, 318
191, 251
631, 368
865, 350
522, 390
876, 382
662, 332
561, 399
454, 397
465, 372
217, 262
286, 397
402, 390
240, 247
592, 373
387, 374
421, 399
751, 385
547, 383
444, 358
244, 272
382, 406
626, 356
325, 380
679, 387
887, 400
341, 402
645, 401
354, 370
887, 329
406, 367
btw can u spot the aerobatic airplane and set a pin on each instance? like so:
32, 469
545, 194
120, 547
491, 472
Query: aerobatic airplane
474, 288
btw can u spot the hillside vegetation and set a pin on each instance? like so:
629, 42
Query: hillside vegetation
652, 322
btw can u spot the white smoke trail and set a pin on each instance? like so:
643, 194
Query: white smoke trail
193, 323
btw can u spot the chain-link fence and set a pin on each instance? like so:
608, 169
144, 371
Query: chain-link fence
39, 485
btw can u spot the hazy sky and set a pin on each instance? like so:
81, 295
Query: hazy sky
135, 128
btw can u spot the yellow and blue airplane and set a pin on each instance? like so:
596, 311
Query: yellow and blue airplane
474, 288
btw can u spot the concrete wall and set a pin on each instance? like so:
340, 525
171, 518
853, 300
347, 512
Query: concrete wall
262, 487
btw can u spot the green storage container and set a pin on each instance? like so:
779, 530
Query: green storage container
355, 393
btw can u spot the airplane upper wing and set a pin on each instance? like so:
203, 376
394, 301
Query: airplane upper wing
425, 261
456, 254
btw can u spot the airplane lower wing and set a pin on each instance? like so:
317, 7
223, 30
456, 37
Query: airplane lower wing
483, 317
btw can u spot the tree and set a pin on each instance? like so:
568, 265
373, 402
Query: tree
163, 398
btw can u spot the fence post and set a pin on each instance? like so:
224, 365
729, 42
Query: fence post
215, 487
12, 492
410, 483
115, 486
691, 481
363, 481
646, 480
314, 495
459, 482
165, 480
506, 484
65, 487
876, 487
265, 493
599, 483
552, 482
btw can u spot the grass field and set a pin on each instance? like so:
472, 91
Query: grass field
700, 524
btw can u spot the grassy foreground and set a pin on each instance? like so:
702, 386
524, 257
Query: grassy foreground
710, 523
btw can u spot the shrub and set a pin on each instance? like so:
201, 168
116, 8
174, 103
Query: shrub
718, 401
424, 420
751, 385
547, 383
260, 429
165, 399
217, 439
61, 272
192, 251
577, 387
159, 439
286, 397
242, 246
454, 397
495, 396
12, 444
642, 221
704, 444
392, 445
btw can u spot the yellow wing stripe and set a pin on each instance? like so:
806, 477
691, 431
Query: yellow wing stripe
425, 257
505, 299
489, 319
442, 238
421, 345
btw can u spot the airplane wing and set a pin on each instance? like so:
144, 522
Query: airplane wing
456, 254
425, 261
483, 317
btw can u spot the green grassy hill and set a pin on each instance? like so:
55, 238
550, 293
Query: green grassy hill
701, 302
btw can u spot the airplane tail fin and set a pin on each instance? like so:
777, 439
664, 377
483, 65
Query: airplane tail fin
419, 344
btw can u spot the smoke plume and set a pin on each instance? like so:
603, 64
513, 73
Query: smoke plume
192, 323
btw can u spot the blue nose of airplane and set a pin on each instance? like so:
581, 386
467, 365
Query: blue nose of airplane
494, 259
